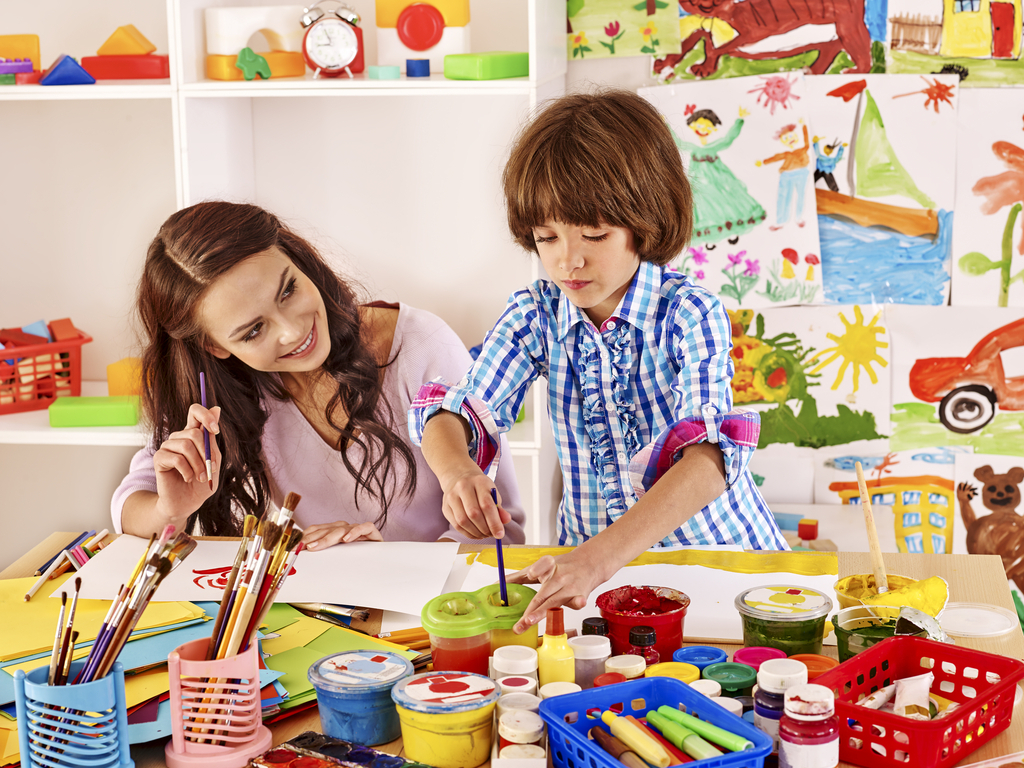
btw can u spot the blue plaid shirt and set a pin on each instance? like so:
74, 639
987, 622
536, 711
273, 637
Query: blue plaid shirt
657, 367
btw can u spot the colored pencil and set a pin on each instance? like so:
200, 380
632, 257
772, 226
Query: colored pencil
247, 530
42, 579
78, 540
206, 434
501, 557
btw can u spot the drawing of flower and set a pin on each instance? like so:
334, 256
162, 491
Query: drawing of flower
740, 282
700, 256
753, 268
736, 258
648, 31
790, 258
811, 260
699, 274
613, 31
695, 254
580, 44
1004, 189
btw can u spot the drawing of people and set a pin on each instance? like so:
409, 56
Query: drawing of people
723, 208
792, 174
826, 161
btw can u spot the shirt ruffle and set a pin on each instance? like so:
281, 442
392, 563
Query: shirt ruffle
735, 432
595, 417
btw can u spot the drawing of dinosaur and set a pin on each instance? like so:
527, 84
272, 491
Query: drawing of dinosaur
755, 22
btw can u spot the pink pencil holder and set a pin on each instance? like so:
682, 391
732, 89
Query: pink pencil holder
215, 708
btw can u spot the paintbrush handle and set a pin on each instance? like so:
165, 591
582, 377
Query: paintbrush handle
55, 656
218, 623
877, 563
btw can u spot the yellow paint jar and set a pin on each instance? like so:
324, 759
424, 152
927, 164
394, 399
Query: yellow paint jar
851, 589
678, 669
447, 718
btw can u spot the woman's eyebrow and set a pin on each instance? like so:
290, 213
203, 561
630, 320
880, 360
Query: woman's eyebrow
243, 326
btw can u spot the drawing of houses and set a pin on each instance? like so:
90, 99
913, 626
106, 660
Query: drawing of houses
922, 505
981, 29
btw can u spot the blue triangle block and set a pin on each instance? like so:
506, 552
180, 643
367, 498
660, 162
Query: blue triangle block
66, 71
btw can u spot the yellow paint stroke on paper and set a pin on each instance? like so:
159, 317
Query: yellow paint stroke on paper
858, 346
802, 563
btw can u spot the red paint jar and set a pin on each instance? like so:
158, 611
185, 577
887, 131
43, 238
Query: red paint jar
809, 728
642, 642
661, 608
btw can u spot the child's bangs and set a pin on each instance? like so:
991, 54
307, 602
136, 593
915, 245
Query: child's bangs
555, 191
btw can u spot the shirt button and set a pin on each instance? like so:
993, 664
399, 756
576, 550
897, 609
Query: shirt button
709, 410
621, 455
610, 325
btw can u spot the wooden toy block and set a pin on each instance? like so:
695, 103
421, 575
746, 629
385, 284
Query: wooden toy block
8, 79
807, 529
66, 71
392, 51
282, 64
38, 328
417, 67
63, 330
28, 78
494, 65
31, 368
21, 47
14, 66
383, 73
94, 411
251, 64
125, 377
126, 41
127, 67
228, 29
454, 12
15, 337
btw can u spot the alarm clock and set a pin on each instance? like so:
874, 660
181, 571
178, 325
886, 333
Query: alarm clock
333, 43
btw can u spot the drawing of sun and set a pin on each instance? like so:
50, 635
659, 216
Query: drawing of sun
858, 347
935, 94
776, 90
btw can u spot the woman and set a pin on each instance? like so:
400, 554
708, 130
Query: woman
311, 390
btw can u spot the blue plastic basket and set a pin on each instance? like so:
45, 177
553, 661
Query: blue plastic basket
85, 726
568, 721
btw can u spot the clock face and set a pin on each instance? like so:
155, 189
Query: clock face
331, 44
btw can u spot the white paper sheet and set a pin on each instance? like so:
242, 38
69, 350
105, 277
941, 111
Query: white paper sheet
397, 576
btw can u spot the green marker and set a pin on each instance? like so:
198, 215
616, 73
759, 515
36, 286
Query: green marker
684, 738
722, 737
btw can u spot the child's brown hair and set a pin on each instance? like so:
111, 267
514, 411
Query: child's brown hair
602, 158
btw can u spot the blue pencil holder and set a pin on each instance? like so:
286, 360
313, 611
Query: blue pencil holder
80, 726
571, 716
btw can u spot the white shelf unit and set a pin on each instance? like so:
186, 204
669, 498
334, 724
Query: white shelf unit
401, 193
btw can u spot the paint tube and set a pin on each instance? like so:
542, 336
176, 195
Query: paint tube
912, 696
879, 698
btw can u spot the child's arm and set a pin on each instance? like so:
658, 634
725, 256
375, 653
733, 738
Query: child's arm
693, 482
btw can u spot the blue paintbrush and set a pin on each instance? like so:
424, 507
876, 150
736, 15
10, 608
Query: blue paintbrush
206, 434
501, 558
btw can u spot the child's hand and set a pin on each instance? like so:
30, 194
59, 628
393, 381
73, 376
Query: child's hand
566, 580
317, 537
180, 463
469, 507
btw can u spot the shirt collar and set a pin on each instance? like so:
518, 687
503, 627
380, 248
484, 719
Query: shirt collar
637, 307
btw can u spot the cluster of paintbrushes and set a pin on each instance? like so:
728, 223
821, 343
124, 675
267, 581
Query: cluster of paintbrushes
265, 557
160, 557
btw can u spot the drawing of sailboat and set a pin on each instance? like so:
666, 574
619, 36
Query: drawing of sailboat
875, 251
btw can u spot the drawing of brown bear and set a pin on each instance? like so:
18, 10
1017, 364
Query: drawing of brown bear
842, 23
1001, 532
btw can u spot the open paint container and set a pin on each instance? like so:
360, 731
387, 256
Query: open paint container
465, 628
353, 693
784, 616
662, 608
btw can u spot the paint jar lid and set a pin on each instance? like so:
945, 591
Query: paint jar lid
358, 671
642, 635
591, 647
558, 688
517, 684
678, 669
609, 678
629, 665
731, 676
733, 705
522, 752
809, 702
815, 663
783, 602
515, 659
594, 625
521, 726
513, 701
700, 655
755, 655
710, 688
977, 620
776, 675
445, 692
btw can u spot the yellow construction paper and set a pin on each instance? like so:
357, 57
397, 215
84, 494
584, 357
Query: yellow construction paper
145, 686
36, 620
803, 563
296, 635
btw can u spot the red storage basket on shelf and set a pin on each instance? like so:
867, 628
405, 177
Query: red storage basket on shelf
983, 684
40, 373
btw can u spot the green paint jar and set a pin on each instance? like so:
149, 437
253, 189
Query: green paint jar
736, 679
860, 627
784, 616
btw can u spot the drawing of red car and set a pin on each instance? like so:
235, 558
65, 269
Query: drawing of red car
970, 389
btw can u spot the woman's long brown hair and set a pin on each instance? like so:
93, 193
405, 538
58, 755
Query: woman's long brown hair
193, 248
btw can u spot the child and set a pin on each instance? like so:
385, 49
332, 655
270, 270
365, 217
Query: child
826, 161
636, 358
792, 175
314, 389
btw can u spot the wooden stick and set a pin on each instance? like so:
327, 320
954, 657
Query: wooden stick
877, 564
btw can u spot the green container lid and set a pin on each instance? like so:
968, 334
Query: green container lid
465, 614
730, 675
783, 602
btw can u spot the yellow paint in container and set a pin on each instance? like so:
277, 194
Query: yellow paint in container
446, 717
680, 670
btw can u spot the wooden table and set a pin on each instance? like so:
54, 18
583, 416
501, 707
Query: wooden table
971, 578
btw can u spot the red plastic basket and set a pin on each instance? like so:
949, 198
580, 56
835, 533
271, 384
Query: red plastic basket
31, 377
983, 684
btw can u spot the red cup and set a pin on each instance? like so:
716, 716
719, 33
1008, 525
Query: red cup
662, 608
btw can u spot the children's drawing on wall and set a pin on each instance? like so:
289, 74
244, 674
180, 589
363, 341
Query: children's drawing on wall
884, 198
959, 378
801, 368
917, 485
978, 39
988, 241
989, 519
617, 28
755, 239
731, 38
